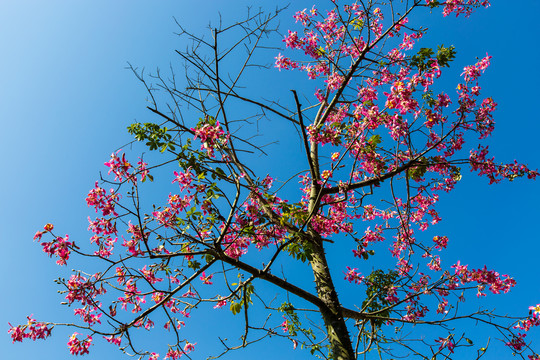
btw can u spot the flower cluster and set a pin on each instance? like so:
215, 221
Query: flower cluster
78, 347
82, 289
133, 243
353, 276
60, 246
89, 314
497, 172
461, 6
31, 330
119, 166
446, 343
517, 343
100, 200
206, 279
167, 217
211, 136
497, 283
184, 179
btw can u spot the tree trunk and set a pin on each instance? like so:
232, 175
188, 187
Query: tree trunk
340, 342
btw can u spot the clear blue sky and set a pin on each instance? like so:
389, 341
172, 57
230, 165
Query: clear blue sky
66, 99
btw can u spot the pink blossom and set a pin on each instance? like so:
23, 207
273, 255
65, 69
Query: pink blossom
283, 62
473, 72
441, 242
189, 347
352, 276
221, 303
142, 169
446, 342
77, 347
114, 340
285, 325
292, 40
304, 16
88, 316
98, 198
36, 330
173, 354
206, 279
212, 137
441, 308
119, 167
150, 275
334, 81
535, 309
517, 343
59, 247
183, 179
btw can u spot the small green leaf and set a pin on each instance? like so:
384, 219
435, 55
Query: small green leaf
235, 307
194, 264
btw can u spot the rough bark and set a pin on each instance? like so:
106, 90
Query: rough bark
338, 335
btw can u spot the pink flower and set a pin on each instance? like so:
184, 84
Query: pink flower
189, 347
113, 340
293, 41
87, 315
517, 343
473, 72
220, 304
17, 333
352, 276
119, 167
77, 347
535, 309
183, 179
206, 279
334, 81
36, 330
143, 170
446, 342
150, 275
285, 63
98, 198
59, 247
173, 354
441, 242
212, 136
285, 325
149, 324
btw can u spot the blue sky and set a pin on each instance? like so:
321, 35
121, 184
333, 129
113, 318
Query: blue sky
66, 100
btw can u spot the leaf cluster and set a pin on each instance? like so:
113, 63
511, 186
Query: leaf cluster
378, 283
157, 138
426, 57
247, 290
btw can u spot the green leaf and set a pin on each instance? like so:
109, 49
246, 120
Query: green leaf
194, 264
445, 55
235, 307
378, 283
417, 172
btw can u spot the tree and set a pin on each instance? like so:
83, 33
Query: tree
381, 141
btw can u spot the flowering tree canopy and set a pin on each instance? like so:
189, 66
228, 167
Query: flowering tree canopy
380, 141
